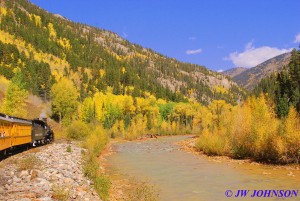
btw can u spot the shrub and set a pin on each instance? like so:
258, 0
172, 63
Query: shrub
92, 171
292, 136
69, 149
212, 143
143, 191
137, 128
29, 163
242, 139
94, 144
102, 186
77, 130
91, 166
60, 193
132, 132
60, 135
96, 141
117, 129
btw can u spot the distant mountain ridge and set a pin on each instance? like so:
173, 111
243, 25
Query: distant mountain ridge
249, 78
234, 71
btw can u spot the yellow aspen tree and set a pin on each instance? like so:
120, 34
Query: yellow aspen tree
264, 129
14, 101
164, 127
87, 110
37, 20
242, 140
99, 98
292, 134
52, 32
64, 100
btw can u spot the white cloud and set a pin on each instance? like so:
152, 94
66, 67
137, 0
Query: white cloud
297, 39
220, 70
253, 56
198, 51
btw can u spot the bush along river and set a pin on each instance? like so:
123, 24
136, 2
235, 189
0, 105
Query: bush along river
180, 175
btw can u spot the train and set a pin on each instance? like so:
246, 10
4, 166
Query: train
17, 132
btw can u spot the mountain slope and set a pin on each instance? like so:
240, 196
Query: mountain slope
249, 78
41, 43
234, 71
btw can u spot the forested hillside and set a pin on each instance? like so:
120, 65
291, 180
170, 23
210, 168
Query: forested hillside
283, 87
46, 47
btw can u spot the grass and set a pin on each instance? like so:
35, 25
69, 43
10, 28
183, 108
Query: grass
69, 149
102, 185
143, 191
29, 163
94, 143
60, 193
60, 135
92, 171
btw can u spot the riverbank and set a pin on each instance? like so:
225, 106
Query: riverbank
124, 188
116, 191
51, 172
188, 145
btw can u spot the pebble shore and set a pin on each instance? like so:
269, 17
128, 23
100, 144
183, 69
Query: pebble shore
57, 175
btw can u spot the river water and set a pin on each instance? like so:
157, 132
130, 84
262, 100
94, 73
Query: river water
184, 176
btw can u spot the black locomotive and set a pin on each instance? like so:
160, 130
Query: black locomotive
41, 132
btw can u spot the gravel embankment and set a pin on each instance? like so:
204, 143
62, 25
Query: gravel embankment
52, 172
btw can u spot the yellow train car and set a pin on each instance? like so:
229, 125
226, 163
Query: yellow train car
14, 132
5, 130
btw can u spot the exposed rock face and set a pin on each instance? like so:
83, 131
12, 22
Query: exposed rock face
56, 174
234, 71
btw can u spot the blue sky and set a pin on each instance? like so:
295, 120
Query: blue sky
219, 34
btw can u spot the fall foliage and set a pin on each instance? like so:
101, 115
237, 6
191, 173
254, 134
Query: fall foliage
64, 100
14, 101
92, 76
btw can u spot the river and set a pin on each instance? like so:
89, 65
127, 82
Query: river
185, 176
